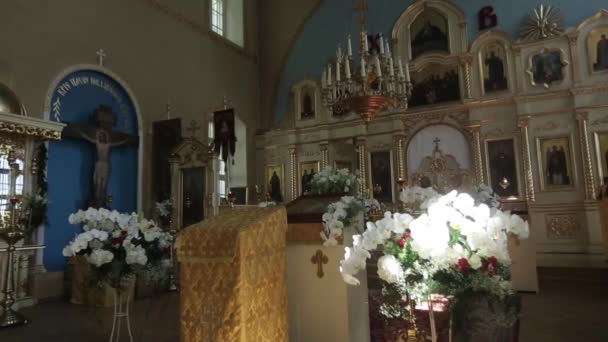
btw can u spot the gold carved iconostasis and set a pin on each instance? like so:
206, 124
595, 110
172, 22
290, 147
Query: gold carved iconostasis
22, 162
530, 112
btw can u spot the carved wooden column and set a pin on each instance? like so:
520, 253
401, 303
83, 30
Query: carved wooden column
399, 145
519, 67
294, 172
465, 61
581, 118
324, 148
523, 124
475, 129
573, 43
362, 164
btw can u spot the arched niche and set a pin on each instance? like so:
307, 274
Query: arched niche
433, 73
441, 15
307, 103
442, 153
493, 57
591, 66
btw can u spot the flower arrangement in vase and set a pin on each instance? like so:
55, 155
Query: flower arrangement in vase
117, 245
452, 246
330, 181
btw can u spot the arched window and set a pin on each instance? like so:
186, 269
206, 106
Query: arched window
221, 164
5, 182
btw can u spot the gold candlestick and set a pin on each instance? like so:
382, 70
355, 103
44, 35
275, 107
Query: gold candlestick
11, 231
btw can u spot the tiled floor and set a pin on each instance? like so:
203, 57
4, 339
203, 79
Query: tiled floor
569, 308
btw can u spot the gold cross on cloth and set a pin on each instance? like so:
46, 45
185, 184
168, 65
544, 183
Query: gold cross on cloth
319, 259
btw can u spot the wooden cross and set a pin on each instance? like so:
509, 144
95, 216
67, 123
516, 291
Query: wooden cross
209, 318
193, 128
319, 259
100, 56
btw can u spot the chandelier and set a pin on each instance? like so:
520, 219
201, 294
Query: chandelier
376, 84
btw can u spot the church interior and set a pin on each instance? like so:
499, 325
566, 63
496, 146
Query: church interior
304, 171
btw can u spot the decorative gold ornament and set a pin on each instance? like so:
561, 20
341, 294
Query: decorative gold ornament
543, 22
562, 226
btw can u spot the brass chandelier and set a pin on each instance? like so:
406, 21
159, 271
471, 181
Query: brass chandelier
376, 84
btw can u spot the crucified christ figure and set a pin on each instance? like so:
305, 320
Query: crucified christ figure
104, 139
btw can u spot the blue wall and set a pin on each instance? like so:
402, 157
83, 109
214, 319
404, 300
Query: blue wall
335, 19
70, 161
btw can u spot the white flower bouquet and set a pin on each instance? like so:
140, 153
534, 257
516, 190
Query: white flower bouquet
340, 215
333, 182
117, 245
267, 204
454, 248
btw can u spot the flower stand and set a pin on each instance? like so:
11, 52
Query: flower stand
121, 313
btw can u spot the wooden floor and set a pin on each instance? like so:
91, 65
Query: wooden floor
572, 306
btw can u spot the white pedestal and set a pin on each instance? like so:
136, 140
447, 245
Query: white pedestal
324, 309
523, 267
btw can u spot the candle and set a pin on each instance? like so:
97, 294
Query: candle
338, 70
378, 68
381, 44
363, 71
329, 75
388, 48
350, 47
347, 68
365, 44
400, 69
391, 67
339, 53
407, 72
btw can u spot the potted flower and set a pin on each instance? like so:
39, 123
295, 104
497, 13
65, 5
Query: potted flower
452, 249
116, 246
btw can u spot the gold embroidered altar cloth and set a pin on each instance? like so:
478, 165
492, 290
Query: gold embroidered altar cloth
233, 284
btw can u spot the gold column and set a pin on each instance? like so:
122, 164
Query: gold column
475, 129
362, 164
324, 148
523, 124
294, 172
466, 61
581, 118
399, 141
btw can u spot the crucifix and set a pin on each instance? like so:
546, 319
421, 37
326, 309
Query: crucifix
319, 259
100, 56
104, 139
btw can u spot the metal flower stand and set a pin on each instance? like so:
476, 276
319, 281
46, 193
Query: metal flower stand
121, 312
11, 232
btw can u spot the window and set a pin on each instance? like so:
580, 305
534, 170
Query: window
227, 20
217, 16
5, 182
222, 164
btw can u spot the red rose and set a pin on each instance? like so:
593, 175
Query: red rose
407, 235
402, 243
463, 265
490, 265
493, 261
